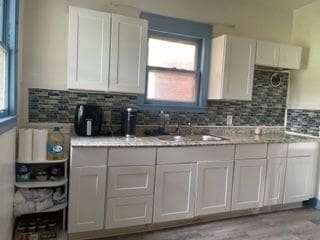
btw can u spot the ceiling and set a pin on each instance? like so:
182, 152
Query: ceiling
284, 4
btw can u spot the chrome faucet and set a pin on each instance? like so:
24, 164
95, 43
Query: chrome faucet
178, 128
164, 118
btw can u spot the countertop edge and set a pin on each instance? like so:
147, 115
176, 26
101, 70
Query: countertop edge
154, 142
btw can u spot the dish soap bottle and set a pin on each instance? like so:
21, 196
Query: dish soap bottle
55, 148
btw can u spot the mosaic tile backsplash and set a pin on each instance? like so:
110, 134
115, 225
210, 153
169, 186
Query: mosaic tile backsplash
266, 108
303, 121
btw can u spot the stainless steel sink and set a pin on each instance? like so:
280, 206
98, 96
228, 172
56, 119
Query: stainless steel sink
179, 138
206, 138
176, 138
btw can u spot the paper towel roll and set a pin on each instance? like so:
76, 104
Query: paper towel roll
40, 137
25, 144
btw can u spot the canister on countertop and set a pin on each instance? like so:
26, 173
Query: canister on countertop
129, 119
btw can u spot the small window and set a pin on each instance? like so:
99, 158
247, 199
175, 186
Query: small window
172, 70
8, 60
177, 65
3, 82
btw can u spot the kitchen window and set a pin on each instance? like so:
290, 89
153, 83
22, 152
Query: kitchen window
3, 82
177, 64
172, 70
8, 44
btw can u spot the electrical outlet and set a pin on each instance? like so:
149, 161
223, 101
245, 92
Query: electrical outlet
229, 119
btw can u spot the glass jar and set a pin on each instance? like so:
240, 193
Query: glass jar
21, 233
32, 233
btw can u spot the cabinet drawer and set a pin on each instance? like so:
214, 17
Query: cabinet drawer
131, 211
132, 156
81, 157
302, 149
277, 150
194, 154
130, 181
248, 151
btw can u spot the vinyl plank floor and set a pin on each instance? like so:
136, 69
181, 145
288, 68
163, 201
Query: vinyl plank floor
297, 224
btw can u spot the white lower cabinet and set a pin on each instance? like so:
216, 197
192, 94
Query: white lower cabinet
248, 184
299, 176
187, 182
87, 198
214, 187
130, 181
129, 211
275, 181
130, 196
174, 192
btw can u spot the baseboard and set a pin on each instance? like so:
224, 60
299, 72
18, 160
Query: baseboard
181, 223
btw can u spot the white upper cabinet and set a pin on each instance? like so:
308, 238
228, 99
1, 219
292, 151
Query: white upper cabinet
272, 54
290, 57
89, 49
107, 52
232, 68
267, 54
128, 54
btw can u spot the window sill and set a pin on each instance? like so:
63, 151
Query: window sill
172, 108
7, 123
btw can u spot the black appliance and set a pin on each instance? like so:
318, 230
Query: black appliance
129, 119
88, 120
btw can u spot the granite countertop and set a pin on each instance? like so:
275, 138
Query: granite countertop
155, 142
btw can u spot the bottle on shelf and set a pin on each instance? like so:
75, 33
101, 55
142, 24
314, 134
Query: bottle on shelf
55, 148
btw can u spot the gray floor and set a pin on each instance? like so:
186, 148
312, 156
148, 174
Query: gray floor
296, 224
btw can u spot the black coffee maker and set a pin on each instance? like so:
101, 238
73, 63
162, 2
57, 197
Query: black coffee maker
128, 124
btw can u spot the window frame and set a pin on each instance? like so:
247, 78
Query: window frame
197, 72
9, 42
184, 30
5, 112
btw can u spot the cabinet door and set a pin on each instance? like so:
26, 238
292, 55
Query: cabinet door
129, 211
275, 181
128, 54
290, 57
248, 184
299, 176
87, 198
89, 49
267, 54
130, 181
239, 68
175, 192
214, 184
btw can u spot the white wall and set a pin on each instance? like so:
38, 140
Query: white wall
46, 30
7, 180
305, 84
